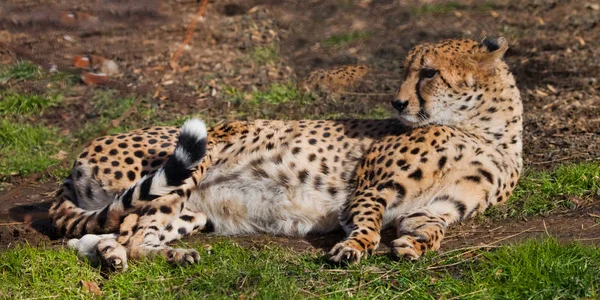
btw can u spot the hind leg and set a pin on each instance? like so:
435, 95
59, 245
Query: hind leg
163, 220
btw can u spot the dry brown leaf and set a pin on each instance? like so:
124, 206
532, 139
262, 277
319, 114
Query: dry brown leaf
91, 287
60, 155
541, 93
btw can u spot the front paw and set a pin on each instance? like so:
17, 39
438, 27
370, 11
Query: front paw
404, 247
347, 251
182, 256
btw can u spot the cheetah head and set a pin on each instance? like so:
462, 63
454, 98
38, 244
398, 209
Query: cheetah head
444, 82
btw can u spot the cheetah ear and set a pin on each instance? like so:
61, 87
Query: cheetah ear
492, 50
495, 47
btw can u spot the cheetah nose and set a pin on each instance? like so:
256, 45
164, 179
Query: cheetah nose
399, 105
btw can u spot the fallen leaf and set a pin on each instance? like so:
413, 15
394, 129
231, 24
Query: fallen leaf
541, 21
91, 287
541, 93
94, 78
60, 155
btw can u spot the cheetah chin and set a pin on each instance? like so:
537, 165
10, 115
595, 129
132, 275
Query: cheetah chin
454, 150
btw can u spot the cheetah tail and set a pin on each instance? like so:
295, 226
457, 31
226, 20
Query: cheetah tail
73, 221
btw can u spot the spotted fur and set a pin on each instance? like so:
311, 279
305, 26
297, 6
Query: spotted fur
453, 150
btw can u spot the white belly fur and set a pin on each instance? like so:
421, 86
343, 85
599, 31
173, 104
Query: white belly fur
243, 204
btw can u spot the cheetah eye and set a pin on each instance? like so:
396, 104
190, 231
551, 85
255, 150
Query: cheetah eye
428, 73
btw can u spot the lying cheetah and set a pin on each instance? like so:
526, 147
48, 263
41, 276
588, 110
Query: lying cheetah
453, 150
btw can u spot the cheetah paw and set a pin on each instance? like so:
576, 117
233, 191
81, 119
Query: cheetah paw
404, 248
112, 255
182, 256
346, 251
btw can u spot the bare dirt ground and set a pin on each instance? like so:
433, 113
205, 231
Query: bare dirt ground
554, 54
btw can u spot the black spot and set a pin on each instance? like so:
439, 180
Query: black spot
113, 152
129, 160
152, 141
165, 209
98, 148
442, 162
118, 175
416, 175
122, 145
415, 151
115, 163
318, 182
131, 175
476, 179
156, 163
139, 153
137, 138
83, 155
312, 141
108, 142
302, 175
389, 162
332, 190
187, 218
488, 176
182, 231
296, 150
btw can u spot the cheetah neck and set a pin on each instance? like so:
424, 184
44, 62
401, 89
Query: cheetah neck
498, 116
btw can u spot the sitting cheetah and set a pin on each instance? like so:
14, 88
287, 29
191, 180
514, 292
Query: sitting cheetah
453, 150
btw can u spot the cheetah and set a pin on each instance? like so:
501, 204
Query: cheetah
452, 150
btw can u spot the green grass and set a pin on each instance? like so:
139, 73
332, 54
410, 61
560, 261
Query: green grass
107, 106
26, 148
26, 104
20, 71
265, 55
339, 40
540, 192
533, 270
277, 93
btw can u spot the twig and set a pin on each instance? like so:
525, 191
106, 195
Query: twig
593, 215
545, 228
556, 160
12, 223
404, 292
587, 239
475, 248
467, 294
188, 36
360, 285
44, 297
452, 264
365, 94
309, 292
